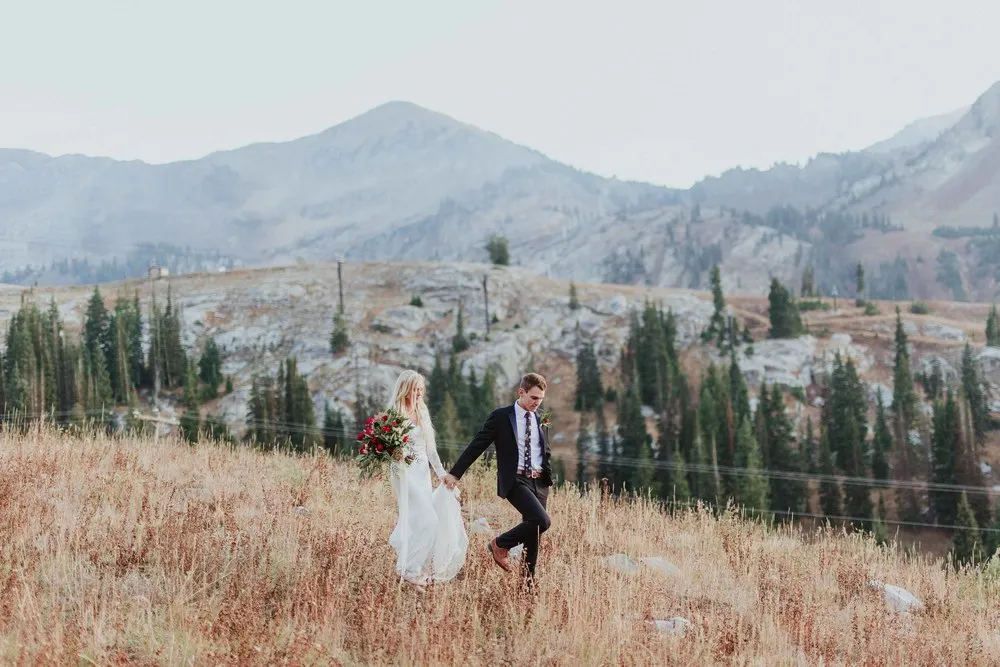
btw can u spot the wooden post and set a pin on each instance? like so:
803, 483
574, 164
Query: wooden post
486, 297
340, 285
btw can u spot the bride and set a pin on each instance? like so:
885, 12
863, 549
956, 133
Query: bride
429, 538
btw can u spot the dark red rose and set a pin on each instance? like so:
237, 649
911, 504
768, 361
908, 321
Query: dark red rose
379, 447
406, 438
385, 418
361, 436
386, 429
364, 450
369, 421
368, 431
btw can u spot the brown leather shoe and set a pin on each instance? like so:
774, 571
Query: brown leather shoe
499, 555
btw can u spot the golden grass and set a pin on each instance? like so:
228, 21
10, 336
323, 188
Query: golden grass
126, 552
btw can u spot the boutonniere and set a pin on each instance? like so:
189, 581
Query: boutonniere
545, 419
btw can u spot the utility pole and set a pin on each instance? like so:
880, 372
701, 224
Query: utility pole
486, 296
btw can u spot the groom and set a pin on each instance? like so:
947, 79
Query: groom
523, 471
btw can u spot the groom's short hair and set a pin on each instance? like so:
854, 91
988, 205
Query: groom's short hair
532, 380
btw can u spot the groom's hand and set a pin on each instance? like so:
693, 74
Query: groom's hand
449, 480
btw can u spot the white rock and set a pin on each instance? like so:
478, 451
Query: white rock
676, 626
481, 526
621, 563
986, 468
302, 511
661, 564
515, 553
898, 598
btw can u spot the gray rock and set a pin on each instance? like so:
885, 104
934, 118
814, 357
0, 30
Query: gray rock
676, 626
621, 563
661, 564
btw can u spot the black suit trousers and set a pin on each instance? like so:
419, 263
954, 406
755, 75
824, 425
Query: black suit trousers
528, 496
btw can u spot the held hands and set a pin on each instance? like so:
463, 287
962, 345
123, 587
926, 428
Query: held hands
449, 481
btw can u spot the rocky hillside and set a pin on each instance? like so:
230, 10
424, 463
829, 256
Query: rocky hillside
259, 317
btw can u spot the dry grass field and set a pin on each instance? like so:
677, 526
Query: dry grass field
125, 551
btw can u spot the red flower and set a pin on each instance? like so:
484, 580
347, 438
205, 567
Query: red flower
369, 421
364, 450
406, 438
385, 418
395, 423
361, 436
386, 429
368, 431
379, 447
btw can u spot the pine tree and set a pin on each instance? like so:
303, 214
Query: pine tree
882, 442
904, 399
972, 388
334, 432
210, 369
860, 285
589, 388
584, 445
605, 452
340, 340
437, 388
783, 313
574, 302
459, 343
830, 501
716, 329
879, 526
858, 500
753, 487
191, 419
993, 328
992, 535
808, 289
967, 543
448, 428
634, 440
787, 495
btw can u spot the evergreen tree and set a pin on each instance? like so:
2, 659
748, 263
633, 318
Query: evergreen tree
993, 328
972, 388
574, 302
904, 399
882, 443
879, 526
787, 495
858, 495
340, 340
191, 419
859, 284
830, 500
448, 428
716, 329
437, 388
605, 452
753, 487
589, 388
584, 445
210, 369
992, 534
967, 543
634, 440
334, 432
811, 448
459, 343
783, 313
808, 289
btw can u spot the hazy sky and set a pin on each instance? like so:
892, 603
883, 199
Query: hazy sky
664, 91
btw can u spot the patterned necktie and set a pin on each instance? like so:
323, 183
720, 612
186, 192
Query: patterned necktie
527, 443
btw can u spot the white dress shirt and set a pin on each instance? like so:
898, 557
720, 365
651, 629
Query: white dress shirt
522, 416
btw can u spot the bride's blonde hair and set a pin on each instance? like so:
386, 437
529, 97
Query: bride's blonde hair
406, 384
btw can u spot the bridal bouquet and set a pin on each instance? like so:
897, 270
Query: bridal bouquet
383, 439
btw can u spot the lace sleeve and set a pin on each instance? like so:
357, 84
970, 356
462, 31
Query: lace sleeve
433, 458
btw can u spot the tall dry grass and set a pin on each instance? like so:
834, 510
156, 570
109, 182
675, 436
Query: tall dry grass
127, 552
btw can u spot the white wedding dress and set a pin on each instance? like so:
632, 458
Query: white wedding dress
429, 538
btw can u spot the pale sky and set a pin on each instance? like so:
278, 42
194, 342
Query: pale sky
665, 92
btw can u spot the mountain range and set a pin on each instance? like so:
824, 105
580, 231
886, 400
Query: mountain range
402, 182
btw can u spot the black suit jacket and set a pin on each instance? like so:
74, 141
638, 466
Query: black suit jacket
500, 429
